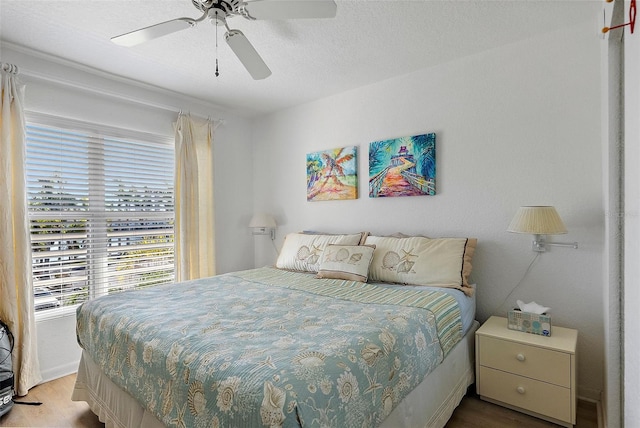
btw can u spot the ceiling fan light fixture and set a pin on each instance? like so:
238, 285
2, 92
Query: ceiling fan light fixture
217, 17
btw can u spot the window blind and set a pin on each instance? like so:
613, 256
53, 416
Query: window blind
101, 210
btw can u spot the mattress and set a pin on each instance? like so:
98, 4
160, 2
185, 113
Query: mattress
272, 347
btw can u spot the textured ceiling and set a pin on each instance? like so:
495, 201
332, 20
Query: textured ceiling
368, 41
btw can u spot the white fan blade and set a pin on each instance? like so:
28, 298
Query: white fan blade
247, 55
153, 32
291, 9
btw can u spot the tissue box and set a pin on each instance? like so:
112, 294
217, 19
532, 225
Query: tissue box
529, 322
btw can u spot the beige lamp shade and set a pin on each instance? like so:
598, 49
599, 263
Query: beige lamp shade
262, 221
537, 220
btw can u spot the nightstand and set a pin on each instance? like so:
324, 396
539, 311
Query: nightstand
527, 372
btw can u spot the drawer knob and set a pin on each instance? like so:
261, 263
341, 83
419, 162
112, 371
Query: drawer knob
520, 357
520, 389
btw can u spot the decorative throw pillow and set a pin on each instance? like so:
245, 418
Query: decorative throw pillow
350, 262
301, 252
439, 262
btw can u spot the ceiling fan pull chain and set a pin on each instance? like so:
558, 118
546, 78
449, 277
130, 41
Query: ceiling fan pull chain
217, 72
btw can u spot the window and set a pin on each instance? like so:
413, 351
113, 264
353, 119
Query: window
101, 210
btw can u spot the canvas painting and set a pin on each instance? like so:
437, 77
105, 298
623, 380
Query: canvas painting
403, 166
332, 174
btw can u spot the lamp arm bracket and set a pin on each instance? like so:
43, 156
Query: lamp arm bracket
540, 244
573, 245
265, 231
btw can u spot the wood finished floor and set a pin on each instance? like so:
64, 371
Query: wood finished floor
58, 410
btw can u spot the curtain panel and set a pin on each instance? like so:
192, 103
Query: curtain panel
194, 204
16, 282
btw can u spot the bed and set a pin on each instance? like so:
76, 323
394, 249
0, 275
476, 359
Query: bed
317, 340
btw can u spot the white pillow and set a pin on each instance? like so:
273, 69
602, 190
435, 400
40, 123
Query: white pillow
301, 252
350, 262
440, 262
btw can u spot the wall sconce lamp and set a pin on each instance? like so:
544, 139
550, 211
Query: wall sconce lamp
540, 221
263, 224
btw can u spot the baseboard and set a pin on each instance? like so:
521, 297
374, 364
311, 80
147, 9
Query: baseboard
59, 371
589, 394
602, 415
600, 410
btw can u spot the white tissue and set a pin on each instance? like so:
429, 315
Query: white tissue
532, 307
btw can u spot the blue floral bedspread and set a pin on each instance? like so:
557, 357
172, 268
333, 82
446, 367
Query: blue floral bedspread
267, 347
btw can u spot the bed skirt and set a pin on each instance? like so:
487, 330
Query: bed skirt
429, 405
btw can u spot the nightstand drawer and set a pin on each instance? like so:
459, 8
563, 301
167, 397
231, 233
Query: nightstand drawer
539, 397
534, 362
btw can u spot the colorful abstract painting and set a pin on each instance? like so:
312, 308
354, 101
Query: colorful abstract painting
403, 166
332, 174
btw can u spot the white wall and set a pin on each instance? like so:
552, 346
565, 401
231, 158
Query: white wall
612, 157
56, 88
517, 125
632, 228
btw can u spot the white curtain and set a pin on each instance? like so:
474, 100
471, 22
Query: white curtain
194, 228
16, 284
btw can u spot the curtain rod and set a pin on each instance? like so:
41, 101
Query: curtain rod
9, 68
134, 100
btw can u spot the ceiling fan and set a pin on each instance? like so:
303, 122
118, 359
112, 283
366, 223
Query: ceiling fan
217, 11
